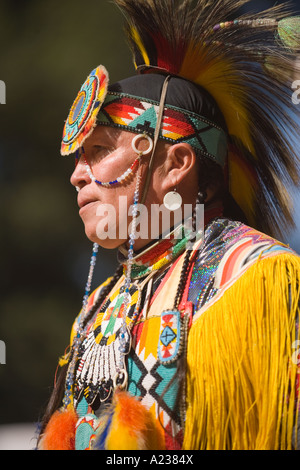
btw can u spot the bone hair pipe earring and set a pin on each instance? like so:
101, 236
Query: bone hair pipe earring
142, 152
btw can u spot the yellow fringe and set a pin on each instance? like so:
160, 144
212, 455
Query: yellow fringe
241, 387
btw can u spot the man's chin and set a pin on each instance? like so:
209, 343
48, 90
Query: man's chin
107, 243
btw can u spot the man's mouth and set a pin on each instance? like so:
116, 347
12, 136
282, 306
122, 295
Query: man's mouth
82, 202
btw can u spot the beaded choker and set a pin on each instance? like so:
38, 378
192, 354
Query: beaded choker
165, 250
157, 255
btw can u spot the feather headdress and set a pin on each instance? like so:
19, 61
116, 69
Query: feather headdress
245, 64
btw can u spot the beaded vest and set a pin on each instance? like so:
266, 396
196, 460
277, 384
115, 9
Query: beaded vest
148, 375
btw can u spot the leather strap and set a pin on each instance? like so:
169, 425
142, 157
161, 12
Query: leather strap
156, 136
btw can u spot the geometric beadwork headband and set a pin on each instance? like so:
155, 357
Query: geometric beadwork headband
139, 115
95, 105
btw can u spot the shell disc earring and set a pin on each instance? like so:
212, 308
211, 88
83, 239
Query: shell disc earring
172, 200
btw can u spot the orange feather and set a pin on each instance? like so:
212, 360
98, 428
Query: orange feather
60, 431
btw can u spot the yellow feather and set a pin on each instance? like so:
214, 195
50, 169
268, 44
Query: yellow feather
133, 426
137, 39
219, 78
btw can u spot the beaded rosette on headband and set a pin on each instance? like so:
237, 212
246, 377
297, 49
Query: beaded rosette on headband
83, 113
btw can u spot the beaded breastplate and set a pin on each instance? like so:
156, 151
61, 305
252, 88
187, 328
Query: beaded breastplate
100, 352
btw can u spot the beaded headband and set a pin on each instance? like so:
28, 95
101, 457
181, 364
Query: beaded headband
137, 114
94, 105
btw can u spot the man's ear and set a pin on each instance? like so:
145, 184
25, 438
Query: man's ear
179, 164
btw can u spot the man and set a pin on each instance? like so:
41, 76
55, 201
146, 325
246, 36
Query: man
193, 342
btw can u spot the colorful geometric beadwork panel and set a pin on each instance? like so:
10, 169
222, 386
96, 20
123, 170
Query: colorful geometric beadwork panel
139, 115
169, 337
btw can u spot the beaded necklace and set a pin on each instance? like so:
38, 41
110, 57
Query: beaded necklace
125, 333
91, 357
80, 331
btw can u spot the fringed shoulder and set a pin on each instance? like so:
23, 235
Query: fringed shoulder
243, 367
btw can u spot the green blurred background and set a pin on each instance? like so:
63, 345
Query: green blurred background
47, 49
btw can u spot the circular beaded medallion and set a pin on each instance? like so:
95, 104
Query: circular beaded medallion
83, 113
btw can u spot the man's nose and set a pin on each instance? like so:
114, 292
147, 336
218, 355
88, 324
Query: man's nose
80, 177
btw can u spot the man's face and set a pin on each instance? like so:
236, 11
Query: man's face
105, 210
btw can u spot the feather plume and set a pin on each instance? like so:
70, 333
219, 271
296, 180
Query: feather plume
60, 431
127, 425
246, 63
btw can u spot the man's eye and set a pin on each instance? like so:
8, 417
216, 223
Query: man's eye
99, 149
98, 153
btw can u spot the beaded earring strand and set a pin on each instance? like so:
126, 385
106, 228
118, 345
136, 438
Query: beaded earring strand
120, 380
125, 336
130, 170
80, 332
120, 179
